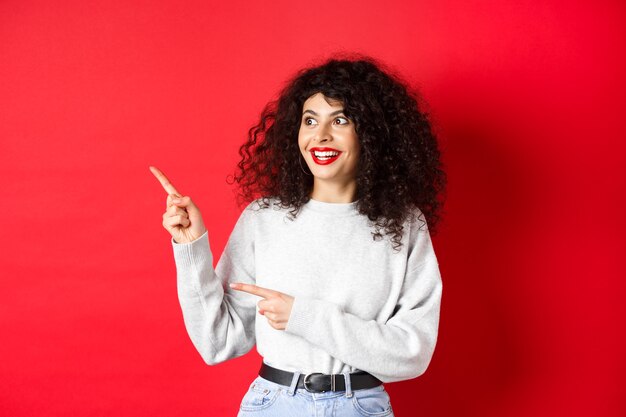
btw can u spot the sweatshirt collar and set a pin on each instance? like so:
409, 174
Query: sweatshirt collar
332, 208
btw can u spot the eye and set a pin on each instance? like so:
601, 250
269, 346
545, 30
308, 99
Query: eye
309, 119
345, 121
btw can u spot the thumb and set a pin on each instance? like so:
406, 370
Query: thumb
188, 204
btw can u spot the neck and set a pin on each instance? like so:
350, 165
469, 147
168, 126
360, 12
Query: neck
331, 192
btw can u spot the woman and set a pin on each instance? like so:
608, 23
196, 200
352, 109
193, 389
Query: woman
343, 154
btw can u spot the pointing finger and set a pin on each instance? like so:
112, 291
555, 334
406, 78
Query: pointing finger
254, 289
165, 182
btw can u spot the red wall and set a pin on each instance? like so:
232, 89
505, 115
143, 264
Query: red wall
528, 99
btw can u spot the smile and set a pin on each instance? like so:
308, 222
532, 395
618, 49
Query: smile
324, 156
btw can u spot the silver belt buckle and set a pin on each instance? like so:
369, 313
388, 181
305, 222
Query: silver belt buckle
332, 382
305, 381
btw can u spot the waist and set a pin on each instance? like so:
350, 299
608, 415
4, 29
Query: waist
318, 382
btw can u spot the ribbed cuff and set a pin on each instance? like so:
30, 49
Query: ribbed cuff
307, 314
192, 255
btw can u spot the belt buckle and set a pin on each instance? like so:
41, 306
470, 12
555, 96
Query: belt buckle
305, 381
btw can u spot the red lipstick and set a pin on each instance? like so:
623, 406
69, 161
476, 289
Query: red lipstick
326, 160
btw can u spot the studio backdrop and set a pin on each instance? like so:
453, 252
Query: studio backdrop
527, 99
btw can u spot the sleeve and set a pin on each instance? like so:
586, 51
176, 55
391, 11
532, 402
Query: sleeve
219, 321
397, 350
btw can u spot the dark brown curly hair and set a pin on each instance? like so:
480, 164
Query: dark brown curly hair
399, 168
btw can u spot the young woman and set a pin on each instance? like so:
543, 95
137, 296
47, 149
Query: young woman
340, 175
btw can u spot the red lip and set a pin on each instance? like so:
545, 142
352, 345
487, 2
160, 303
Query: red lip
325, 149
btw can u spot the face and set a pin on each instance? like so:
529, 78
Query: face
325, 128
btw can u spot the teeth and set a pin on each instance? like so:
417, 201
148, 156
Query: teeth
322, 154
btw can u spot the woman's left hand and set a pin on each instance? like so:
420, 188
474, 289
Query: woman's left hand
276, 306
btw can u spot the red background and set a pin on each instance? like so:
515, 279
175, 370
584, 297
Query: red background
527, 97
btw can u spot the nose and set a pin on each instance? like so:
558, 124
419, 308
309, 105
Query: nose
323, 134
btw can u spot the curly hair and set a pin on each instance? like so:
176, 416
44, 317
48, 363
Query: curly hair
399, 167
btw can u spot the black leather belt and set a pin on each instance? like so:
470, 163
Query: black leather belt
318, 382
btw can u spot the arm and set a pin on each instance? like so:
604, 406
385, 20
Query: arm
219, 322
397, 350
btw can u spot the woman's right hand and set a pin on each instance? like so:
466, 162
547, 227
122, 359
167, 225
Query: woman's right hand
182, 218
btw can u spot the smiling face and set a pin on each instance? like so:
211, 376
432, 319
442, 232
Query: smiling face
325, 128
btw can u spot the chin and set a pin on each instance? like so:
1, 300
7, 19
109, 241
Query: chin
323, 172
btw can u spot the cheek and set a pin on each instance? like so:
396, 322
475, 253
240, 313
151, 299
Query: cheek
354, 143
302, 139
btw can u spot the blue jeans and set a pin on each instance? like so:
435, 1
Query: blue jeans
269, 399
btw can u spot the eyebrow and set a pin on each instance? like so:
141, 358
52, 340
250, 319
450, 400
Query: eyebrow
315, 114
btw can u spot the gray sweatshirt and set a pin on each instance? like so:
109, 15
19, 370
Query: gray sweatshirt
358, 305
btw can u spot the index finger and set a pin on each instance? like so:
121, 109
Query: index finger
165, 182
253, 289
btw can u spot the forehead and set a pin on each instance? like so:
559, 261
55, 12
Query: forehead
321, 101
